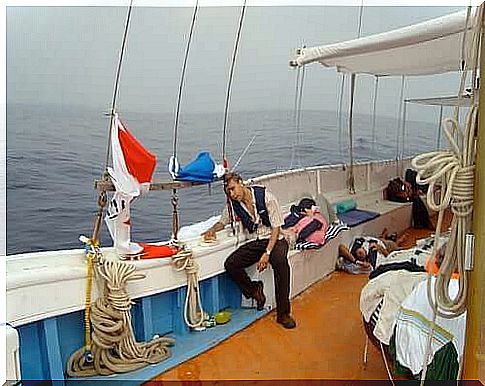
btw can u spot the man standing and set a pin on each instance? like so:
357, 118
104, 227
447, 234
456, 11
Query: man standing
260, 215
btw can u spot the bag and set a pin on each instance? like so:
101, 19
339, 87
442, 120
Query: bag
410, 177
420, 214
397, 191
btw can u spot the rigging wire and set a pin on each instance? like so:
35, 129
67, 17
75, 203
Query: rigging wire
226, 113
229, 84
339, 111
117, 83
295, 109
399, 128
182, 79
374, 111
438, 139
102, 198
350, 177
174, 201
298, 118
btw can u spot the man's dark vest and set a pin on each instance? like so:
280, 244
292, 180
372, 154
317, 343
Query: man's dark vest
245, 217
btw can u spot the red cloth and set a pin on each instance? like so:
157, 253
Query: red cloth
151, 251
139, 161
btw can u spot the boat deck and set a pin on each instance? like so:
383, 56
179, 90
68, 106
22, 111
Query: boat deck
328, 342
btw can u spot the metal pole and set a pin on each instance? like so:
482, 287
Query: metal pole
350, 180
438, 140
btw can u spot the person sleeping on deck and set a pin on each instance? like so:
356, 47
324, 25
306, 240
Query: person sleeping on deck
307, 223
361, 256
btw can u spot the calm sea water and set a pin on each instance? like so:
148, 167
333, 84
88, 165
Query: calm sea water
54, 154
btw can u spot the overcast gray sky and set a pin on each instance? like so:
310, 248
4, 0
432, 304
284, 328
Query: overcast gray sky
68, 56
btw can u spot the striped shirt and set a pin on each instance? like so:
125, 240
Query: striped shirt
274, 213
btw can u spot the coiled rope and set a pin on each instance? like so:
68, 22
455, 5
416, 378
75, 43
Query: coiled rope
113, 348
194, 314
454, 170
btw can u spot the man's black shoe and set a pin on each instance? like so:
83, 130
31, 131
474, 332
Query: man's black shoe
286, 321
259, 296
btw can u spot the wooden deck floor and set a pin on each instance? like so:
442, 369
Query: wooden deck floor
328, 342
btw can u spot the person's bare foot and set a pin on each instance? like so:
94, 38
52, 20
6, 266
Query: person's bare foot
383, 234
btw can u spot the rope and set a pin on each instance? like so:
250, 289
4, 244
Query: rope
194, 314
385, 363
114, 348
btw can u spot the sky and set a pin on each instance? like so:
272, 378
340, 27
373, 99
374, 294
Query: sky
68, 56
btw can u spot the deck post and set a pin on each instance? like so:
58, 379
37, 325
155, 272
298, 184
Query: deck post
474, 361
54, 359
146, 312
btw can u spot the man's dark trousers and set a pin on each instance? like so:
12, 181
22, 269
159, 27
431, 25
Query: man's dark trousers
249, 254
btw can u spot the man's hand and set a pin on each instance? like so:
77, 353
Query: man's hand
263, 262
209, 235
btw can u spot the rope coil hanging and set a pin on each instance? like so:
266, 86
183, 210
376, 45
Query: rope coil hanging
194, 314
454, 170
112, 347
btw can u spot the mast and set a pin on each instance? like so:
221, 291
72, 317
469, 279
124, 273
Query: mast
474, 360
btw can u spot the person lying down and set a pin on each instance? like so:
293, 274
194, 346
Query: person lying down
308, 225
361, 255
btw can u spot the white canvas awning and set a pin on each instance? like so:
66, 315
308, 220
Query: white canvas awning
430, 47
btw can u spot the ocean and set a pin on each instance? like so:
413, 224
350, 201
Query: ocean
55, 153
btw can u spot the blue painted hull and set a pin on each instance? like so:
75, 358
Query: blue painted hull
45, 346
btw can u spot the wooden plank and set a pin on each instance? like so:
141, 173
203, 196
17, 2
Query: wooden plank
107, 186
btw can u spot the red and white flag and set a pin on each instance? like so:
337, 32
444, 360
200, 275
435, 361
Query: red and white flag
132, 172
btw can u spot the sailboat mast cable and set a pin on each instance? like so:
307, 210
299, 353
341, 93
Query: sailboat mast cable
374, 110
361, 12
243, 153
438, 139
298, 116
174, 201
229, 83
399, 125
182, 79
117, 82
339, 111
403, 135
350, 180
295, 109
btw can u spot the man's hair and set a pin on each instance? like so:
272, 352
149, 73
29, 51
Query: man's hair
232, 176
